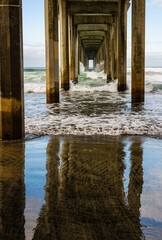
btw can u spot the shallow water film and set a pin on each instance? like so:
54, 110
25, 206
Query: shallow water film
81, 188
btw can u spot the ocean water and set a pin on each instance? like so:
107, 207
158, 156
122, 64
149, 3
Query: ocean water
93, 106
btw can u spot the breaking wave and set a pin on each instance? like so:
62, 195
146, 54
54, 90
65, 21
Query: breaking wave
92, 81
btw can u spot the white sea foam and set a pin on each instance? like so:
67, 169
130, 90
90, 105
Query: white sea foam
93, 114
35, 88
82, 68
96, 75
81, 125
94, 106
110, 87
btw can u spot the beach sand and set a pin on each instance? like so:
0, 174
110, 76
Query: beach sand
71, 187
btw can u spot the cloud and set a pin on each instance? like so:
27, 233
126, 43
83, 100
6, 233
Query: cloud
156, 2
152, 59
34, 55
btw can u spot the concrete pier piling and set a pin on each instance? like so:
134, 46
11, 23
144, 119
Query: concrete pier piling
71, 48
138, 51
11, 70
112, 51
115, 46
87, 64
52, 51
79, 53
122, 44
76, 52
64, 45
109, 60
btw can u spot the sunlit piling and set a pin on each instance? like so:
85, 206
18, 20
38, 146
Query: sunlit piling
71, 48
76, 52
138, 50
109, 61
64, 45
52, 54
11, 70
122, 44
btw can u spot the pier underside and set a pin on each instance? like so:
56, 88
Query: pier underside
89, 30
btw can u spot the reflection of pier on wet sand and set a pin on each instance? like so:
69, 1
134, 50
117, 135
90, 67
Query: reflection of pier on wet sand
85, 196
96, 188
89, 30
12, 191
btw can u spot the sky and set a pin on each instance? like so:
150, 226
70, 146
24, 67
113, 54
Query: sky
34, 33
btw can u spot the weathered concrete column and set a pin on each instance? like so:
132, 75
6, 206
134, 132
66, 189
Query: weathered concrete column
82, 54
64, 45
112, 51
71, 48
11, 70
101, 53
79, 53
105, 55
87, 64
109, 60
83, 57
138, 50
76, 52
122, 44
93, 64
116, 47
52, 54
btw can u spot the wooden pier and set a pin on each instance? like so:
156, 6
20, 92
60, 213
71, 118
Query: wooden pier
89, 30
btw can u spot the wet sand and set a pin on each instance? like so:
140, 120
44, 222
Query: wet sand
81, 188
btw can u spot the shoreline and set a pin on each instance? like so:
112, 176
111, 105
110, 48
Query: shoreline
34, 137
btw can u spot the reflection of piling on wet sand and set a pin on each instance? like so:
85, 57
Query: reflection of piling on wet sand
12, 191
89, 30
86, 199
135, 182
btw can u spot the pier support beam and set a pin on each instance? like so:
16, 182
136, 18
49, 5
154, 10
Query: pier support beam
79, 53
116, 47
94, 63
138, 50
76, 53
71, 48
87, 63
109, 60
11, 71
52, 54
105, 55
64, 45
82, 54
84, 62
122, 44
112, 51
